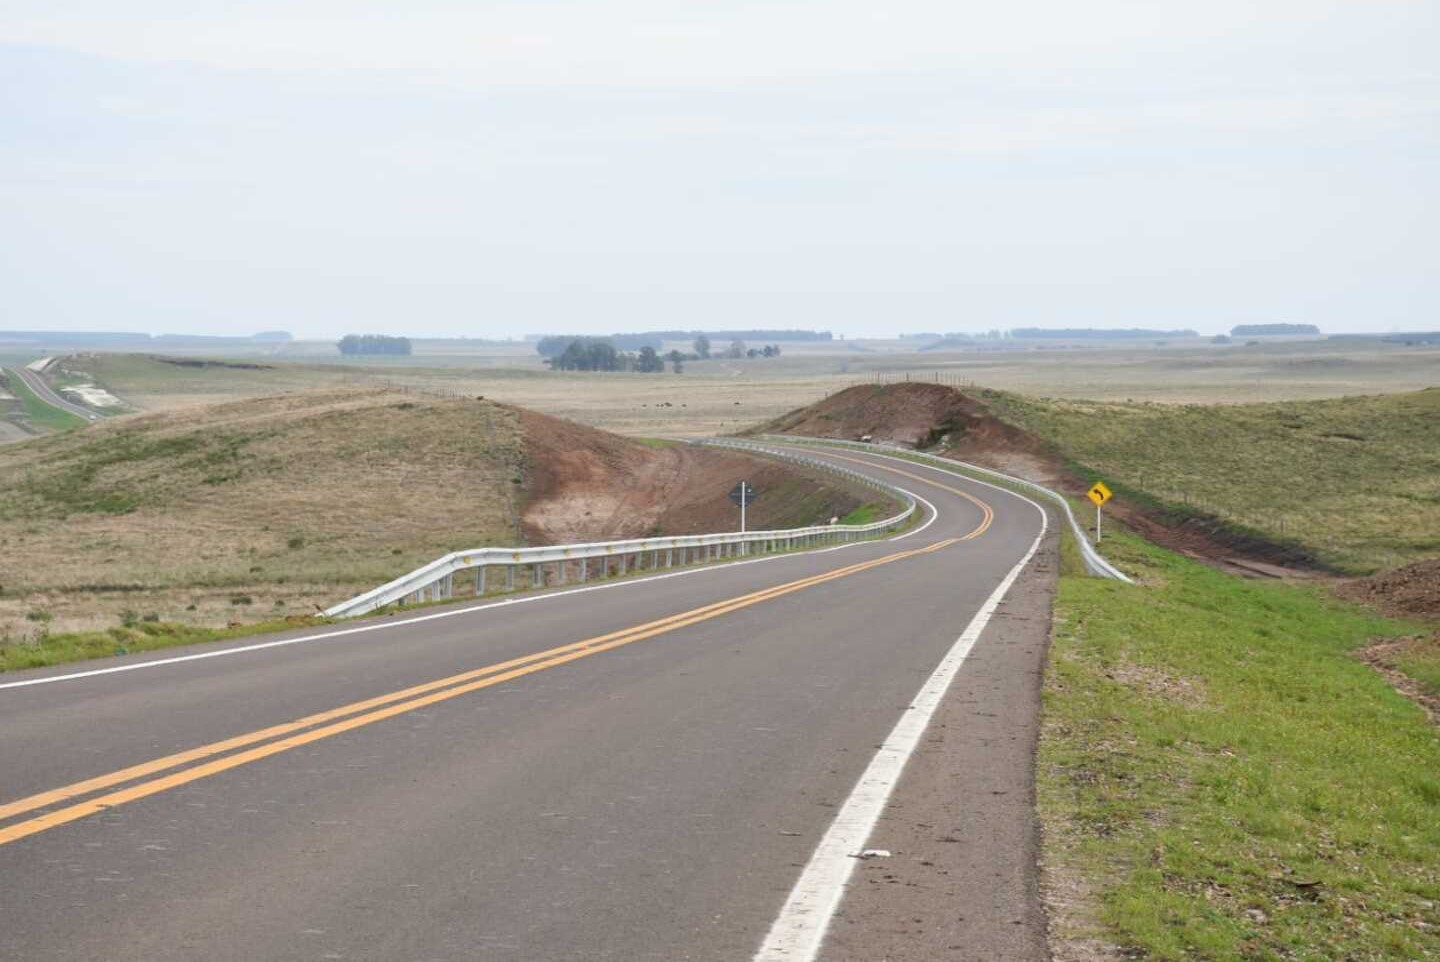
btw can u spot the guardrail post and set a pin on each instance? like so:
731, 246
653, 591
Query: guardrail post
510, 577
560, 572
480, 581
584, 569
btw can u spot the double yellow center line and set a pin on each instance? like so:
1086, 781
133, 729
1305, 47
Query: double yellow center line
221, 756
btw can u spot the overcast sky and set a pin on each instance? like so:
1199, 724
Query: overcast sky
492, 169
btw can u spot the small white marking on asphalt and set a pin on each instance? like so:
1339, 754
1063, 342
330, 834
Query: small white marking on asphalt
799, 930
448, 613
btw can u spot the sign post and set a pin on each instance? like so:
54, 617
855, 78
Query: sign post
1099, 494
742, 494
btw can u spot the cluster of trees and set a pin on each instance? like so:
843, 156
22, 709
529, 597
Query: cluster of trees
554, 345
599, 354
373, 344
704, 350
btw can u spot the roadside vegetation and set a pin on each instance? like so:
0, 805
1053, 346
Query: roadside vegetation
246, 511
133, 634
36, 413
1222, 777
269, 510
1354, 482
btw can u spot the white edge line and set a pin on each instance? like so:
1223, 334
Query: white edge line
448, 613
799, 930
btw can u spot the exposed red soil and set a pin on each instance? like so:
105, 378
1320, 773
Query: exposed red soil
951, 423
1410, 591
588, 485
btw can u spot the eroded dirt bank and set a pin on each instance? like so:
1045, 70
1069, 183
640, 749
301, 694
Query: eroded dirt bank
589, 485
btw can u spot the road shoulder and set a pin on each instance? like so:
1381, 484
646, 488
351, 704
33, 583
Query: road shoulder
962, 874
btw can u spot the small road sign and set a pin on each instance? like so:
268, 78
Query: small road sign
1098, 493
742, 494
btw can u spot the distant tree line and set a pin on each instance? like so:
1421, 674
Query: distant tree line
1251, 330
553, 345
373, 344
737, 349
755, 335
1096, 333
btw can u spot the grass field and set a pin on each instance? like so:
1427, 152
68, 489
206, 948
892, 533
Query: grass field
161, 526
248, 510
1357, 479
722, 395
1421, 661
1221, 778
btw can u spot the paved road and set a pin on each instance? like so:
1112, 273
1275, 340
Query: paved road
664, 791
38, 384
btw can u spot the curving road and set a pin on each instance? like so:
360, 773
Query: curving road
675, 767
43, 390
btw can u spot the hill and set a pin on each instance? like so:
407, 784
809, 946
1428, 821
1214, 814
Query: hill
270, 507
1351, 484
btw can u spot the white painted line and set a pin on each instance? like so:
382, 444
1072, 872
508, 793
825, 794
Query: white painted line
798, 931
447, 613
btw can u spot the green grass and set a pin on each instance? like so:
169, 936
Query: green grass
864, 514
1423, 665
37, 412
1354, 481
1227, 779
135, 635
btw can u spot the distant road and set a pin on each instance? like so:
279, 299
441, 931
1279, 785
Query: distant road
683, 766
37, 384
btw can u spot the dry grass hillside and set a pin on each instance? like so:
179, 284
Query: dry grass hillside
1351, 484
257, 507
263, 508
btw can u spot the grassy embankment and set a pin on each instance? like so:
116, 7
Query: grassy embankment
1221, 778
1355, 482
249, 511
183, 526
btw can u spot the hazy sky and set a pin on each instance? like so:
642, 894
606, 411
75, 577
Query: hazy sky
494, 169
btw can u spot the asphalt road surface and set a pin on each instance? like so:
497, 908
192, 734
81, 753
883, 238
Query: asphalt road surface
38, 384
671, 767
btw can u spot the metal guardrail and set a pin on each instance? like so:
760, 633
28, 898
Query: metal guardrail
560, 564
1095, 563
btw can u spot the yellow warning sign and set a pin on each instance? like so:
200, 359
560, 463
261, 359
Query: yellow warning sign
1098, 493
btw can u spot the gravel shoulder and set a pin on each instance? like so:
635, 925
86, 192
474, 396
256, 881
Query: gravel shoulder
961, 879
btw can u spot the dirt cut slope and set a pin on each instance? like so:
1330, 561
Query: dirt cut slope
1411, 590
923, 416
587, 484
